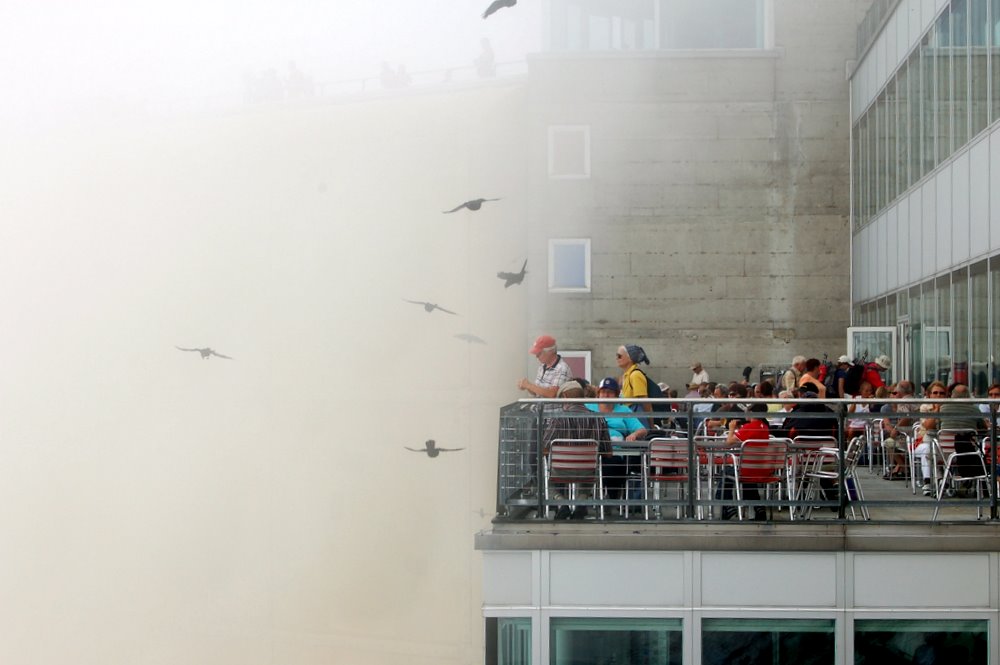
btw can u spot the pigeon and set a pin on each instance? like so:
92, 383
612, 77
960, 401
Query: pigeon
512, 278
429, 306
497, 5
430, 447
473, 205
205, 353
470, 338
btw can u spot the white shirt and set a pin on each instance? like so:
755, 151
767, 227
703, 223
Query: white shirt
700, 377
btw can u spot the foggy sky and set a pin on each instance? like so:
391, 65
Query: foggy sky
159, 508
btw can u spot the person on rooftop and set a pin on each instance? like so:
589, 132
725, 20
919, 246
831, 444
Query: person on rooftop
633, 381
700, 376
552, 369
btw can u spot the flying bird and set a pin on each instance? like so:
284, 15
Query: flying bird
473, 205
430, 447
205, 353
429, 306
470, 338
512, 278
497, 5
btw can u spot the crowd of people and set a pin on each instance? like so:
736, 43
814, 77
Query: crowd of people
903, 429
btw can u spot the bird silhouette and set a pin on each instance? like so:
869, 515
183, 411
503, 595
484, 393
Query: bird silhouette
429, 306
512, 278
473, 205
431, 448
470, 338
205, 353
497, 5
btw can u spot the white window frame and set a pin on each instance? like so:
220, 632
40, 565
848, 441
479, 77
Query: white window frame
565, 129
555, 242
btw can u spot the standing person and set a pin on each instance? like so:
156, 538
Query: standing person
700, 376
552, 369
873, 371
485, 62
790, 379
575, 422
840, 377
634, 382
810, 375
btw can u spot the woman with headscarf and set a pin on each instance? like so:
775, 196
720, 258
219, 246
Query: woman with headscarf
634, 381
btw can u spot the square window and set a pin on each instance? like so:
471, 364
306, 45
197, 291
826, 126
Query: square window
597, 641
569, 152
569, 265
767, 641
921, 641
579, 363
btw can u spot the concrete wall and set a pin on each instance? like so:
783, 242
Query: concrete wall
718, 200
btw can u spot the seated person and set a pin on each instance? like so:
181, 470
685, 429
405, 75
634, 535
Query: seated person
753, 428
573, 422
856, 426
801, 421
622, 426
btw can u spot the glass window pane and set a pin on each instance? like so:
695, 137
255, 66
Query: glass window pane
569, 265
928, 110
707, 24
932, 641
891, 134
995, 342
903, 128
508, 641
916, 369
767, 641
913, 70
598, 641
978, 70
980, 351
881, 139
600, 25
943, 106
960, 70
995, 57
960, 326
864, 168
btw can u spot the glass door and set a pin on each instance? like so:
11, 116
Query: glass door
868, 343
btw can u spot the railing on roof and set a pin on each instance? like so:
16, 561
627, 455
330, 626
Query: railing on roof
521, 469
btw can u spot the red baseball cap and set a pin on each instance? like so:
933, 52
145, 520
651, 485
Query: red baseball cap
543, 342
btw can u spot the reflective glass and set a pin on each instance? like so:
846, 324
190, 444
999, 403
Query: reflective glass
903, 130
913, 74
578, 641
928, 109
767, 641
979, 322
960, 325
709, 24
960, 72
944, 74
995, 57
508, 641
978, 66
885, 641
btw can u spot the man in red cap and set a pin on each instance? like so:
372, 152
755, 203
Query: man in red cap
552, 370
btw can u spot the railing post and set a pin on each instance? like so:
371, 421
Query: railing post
993, 461
842, 447
693, 473
539, 463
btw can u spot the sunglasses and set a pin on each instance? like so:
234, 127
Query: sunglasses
618, 355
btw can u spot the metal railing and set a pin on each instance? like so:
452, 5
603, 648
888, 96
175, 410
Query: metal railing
846, 488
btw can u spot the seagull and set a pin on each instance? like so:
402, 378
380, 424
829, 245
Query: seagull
473, 205
512, 278
431, 449
470, 338
429, 306
497, 5
205, 353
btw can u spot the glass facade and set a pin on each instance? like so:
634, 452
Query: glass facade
508, 641
935, 103
952, 326
644, 25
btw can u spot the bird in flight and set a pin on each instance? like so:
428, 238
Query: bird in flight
430, 447
429, 306
470, 338
473, 205
512, 278
205, 353
497, 5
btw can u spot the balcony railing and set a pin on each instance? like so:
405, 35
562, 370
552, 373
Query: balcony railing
837, 479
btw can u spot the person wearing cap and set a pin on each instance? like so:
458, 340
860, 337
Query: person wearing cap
873, 371
574, 421
634, 382
700, 376
552, 369
840, 377
621, 426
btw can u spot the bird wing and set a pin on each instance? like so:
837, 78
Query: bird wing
216, 353
524, 268
457, 208
446, 311
495, 5
416, 450
180, 348
450, 450
416, 302
505, 275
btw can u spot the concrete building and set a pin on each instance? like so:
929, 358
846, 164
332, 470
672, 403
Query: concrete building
689, 180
